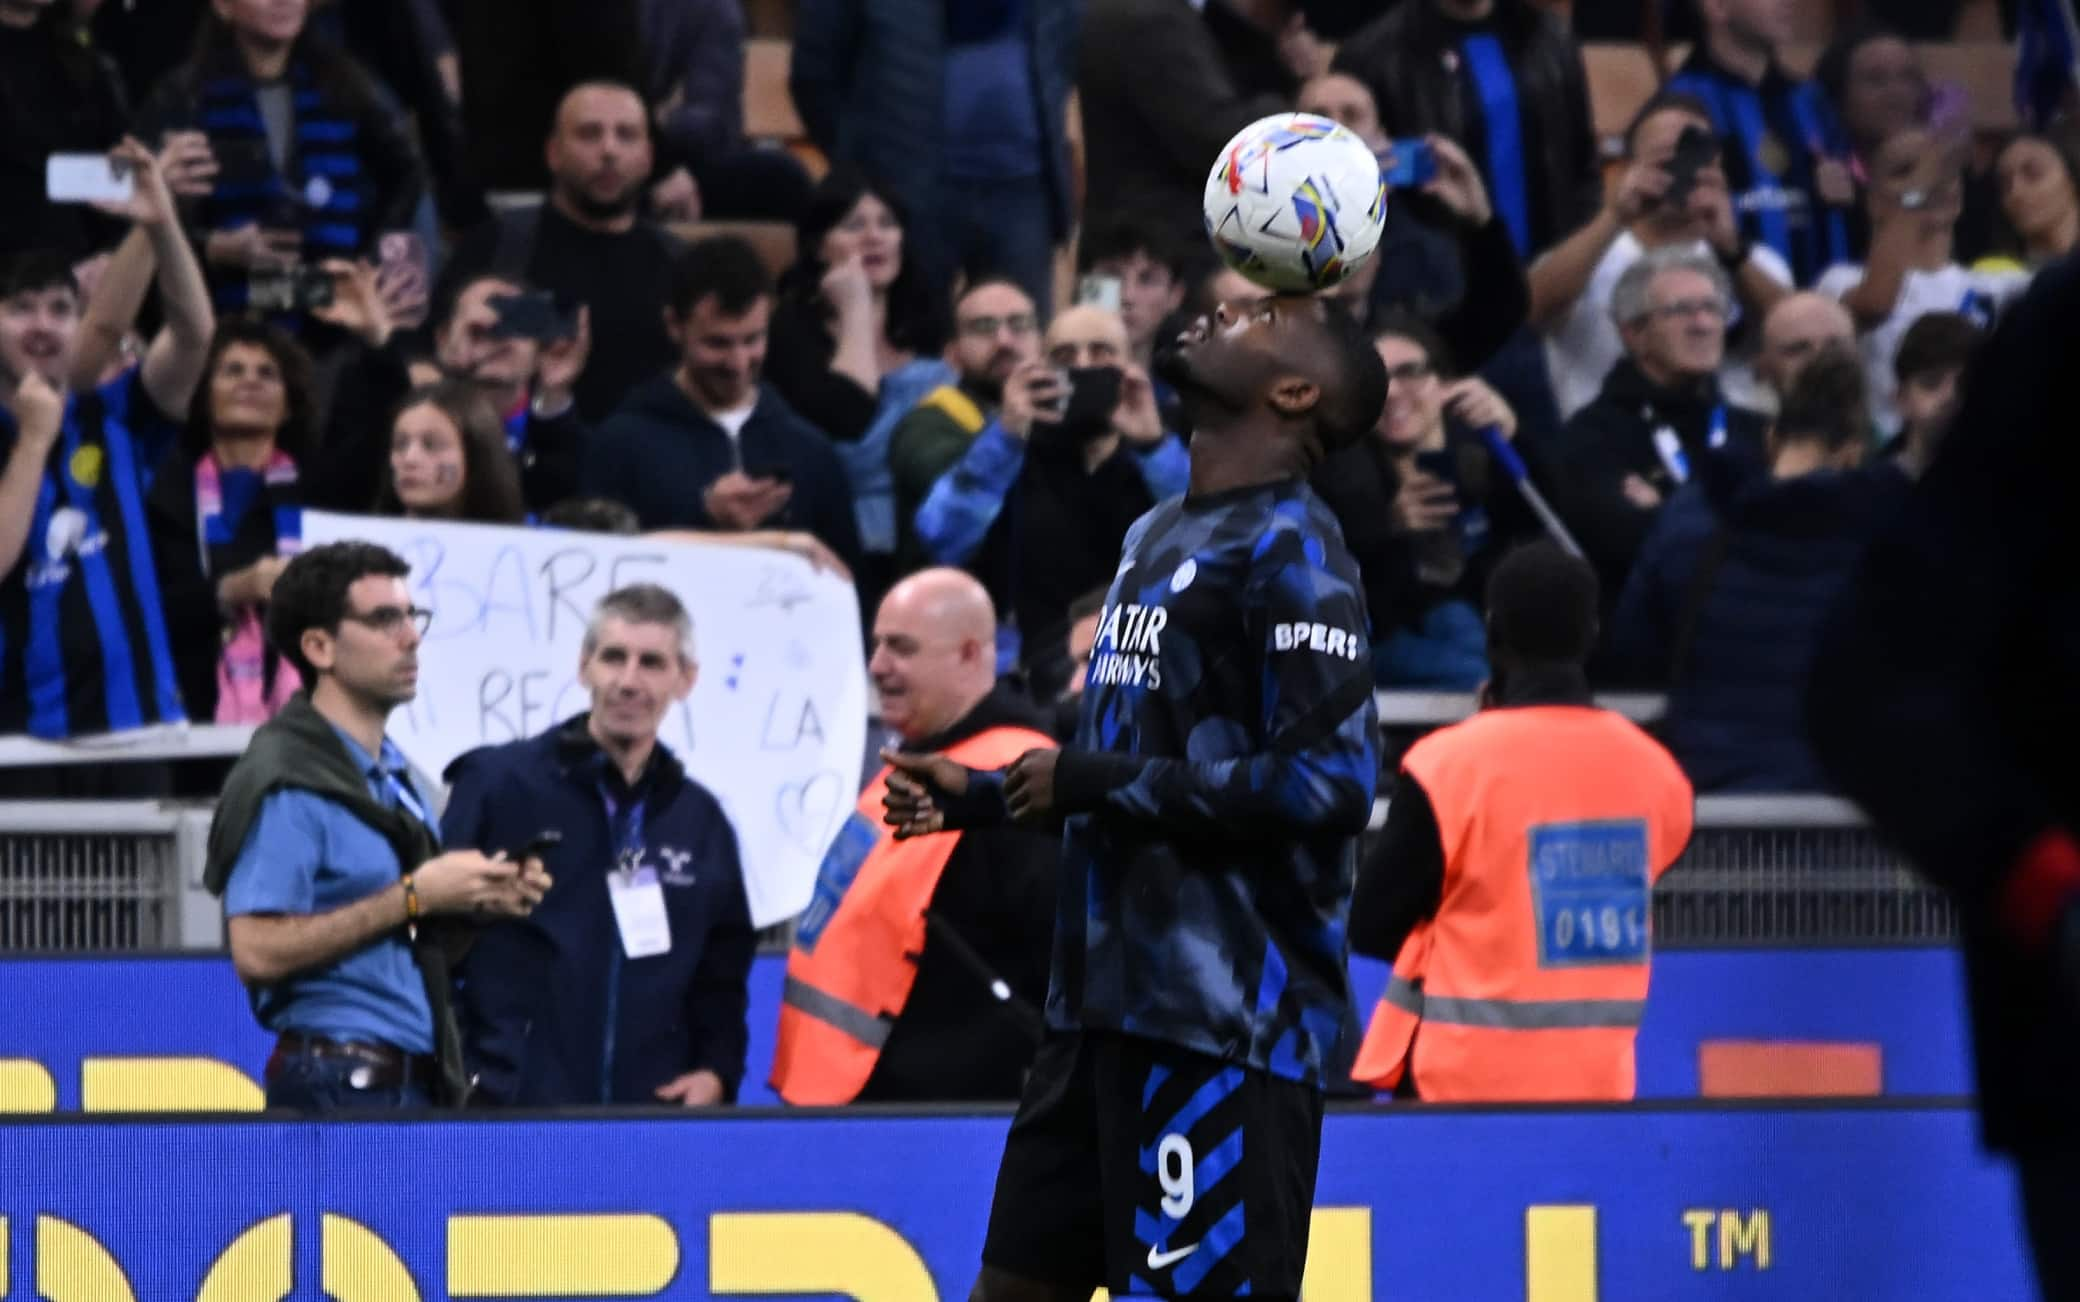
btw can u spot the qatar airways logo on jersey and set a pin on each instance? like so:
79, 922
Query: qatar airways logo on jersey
1129, 647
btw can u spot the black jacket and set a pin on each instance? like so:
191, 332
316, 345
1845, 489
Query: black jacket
55, 97
553, 1012
1163, 97
956, 1042
1735, 580
659, 453
1613, 437
1410, 59
1945, 695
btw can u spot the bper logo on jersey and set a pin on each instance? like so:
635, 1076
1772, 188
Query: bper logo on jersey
1304, 636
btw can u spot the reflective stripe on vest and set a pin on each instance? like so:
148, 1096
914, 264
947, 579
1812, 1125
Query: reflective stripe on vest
1514, 1014
854, 959
1530, 981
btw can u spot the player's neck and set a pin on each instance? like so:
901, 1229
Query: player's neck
628, 754
1230, 459
351, 714
1739, 53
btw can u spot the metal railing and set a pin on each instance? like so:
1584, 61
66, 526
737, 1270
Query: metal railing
105, 875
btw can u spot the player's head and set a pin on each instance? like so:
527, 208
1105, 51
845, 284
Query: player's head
39, 318
1295, 366
636, 661
343, 615
1542, 604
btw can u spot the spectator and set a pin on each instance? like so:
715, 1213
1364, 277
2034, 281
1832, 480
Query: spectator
1152, 274
1874, 80
1503, 79
313, 159
56, 97
2039, 181
694, 53
1158, 122
961, 111
1725, 605
1659, 413
588, 244
529, 380
1650, 209
86, 645
946, 940
592, 515
1540, 785
857, 340
1782, 148
448, 460
1347, 101
226, 514
706, 446
1930, 370
1426, 558
1084, 614
1039, 503
1797, 330
329, 864
562, 1010
995, 331
1914, 198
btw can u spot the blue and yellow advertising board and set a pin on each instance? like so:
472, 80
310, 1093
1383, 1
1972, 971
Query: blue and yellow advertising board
1882, 1201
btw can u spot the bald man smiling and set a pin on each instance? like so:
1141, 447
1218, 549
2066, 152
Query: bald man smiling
861, 1019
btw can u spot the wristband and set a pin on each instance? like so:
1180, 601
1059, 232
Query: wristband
411, 899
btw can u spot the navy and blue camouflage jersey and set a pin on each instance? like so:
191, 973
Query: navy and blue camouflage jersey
1222, 772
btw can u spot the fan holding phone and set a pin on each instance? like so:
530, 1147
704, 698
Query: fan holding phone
1672, 194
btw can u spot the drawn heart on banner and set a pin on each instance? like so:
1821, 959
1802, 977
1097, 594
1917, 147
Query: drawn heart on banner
806, 809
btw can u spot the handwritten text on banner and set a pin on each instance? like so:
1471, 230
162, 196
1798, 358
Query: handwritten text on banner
776, 725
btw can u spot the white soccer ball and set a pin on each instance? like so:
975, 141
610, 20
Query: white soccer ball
1295, 202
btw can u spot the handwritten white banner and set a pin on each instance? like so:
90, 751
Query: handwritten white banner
776, 725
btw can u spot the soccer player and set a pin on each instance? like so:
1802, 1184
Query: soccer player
1222, 770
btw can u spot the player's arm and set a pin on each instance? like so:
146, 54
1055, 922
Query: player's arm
931, 793
1401, 879
1318, 765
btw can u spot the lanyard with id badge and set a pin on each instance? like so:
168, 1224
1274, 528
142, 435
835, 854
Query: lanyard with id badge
633, 888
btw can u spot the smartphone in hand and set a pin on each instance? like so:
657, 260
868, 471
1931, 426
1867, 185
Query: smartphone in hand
87, 178
1415, 164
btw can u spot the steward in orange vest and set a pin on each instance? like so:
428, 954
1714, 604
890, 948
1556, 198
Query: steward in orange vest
880, 1007
1512, 886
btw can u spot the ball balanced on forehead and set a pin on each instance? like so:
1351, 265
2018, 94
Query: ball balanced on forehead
1295, 202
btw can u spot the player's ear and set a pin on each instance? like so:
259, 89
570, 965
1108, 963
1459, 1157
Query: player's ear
1293, 396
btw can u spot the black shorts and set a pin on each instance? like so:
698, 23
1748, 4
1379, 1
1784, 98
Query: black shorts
1154, 1170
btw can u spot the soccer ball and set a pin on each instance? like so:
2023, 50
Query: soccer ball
1295, 202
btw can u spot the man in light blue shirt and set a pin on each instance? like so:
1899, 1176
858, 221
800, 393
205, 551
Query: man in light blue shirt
342, 912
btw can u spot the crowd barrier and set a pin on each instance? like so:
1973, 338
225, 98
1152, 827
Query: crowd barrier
174, 1032
1878, 1201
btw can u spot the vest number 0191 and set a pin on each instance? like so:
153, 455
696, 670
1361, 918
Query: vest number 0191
1174, 1173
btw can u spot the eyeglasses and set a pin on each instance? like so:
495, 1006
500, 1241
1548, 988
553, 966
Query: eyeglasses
1410, 372
390, 621
986, 327
1689, 307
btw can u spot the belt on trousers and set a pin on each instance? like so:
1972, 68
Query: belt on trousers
377, 1066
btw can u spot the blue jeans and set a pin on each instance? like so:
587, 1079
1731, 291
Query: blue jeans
305, 1082
1447, 651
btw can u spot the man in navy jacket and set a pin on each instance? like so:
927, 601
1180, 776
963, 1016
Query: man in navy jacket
628, 983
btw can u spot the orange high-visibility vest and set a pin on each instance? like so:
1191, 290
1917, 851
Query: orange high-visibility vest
855, 950
1530, 981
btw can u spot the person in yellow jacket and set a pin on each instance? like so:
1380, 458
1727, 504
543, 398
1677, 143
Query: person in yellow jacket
917, 972
1512, 885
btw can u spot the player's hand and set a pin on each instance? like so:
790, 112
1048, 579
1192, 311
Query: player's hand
846, 288
908, 805
561, 362
737, 501
1711, 207
188, 164
150, 203
1029, 785
1477, 405
249, 247
1834, 183
1458, 185
1640, 493
696, 1089
357, 305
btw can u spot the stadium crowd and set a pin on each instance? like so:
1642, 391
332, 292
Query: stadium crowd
435, 259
